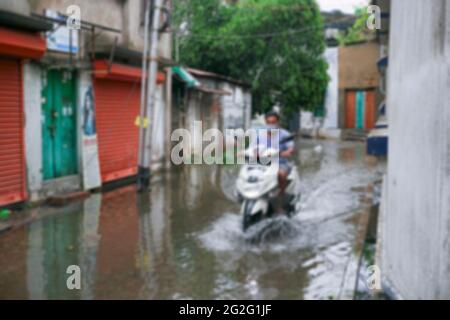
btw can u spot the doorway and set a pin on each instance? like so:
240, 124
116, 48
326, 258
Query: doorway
59, 124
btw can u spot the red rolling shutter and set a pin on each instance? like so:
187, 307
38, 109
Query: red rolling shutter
117, 105
21, 44
12, 155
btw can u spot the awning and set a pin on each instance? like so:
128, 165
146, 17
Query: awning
18, 21
193, 83
21, 44
190, 80
117, 71
120, 55
126, 56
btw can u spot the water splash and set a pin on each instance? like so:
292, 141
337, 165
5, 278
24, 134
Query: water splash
270, 235
326, 195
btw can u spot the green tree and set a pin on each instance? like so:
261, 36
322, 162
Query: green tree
359, 31
275, 45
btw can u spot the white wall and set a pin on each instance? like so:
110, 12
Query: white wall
89, 162
327, 127
193, 113
17, 6
415, 233
236, 108
33, 128
331, 100
159, 138
307, 122
103, 12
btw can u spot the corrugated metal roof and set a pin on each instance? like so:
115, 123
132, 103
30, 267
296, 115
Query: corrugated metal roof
212, 75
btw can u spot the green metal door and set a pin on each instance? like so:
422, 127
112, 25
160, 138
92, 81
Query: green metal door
59, 124
360, 100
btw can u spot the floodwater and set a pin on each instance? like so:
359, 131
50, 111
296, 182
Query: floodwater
183, 240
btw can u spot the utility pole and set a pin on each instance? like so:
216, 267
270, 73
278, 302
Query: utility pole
144, 177
142, 173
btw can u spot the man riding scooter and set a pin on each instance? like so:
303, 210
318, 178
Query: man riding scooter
286, 149
267, 188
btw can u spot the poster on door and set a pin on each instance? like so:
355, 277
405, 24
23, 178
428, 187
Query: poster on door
89, 148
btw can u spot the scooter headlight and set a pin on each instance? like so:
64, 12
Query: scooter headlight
252, 180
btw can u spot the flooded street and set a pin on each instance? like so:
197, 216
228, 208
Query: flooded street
184, 239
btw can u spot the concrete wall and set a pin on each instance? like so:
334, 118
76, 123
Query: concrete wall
357, 69
33, 128
133, 24
383, 33
215, 111
88, 164
103, 12
331, 100
159, 138
415, 248
236, 108
125, 15
307, 123
327, 126
193, 113
17, 6
358, 66
330, 124
133, 15
165, 39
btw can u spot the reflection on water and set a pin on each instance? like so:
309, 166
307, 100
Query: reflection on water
184, 238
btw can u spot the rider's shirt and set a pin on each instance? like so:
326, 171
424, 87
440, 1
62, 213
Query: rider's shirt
263, 139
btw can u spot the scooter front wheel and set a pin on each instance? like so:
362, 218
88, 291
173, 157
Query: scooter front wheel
248, 218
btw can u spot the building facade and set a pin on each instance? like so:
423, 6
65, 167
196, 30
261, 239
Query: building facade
17, 47
217, 101
353, 95
78, 93
358, 83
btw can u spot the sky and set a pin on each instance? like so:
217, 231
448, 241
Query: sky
346, 6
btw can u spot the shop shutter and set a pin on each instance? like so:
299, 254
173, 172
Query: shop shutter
117, 105
12, 155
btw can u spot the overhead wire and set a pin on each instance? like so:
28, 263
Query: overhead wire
185, 34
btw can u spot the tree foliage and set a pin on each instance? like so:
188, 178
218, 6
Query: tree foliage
359, 31
274, 45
